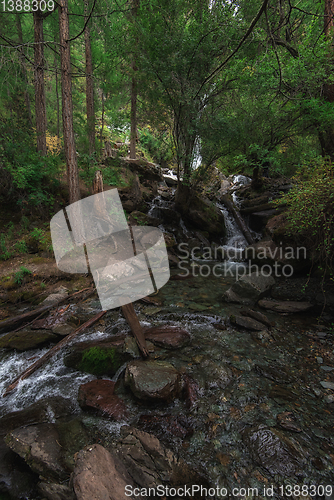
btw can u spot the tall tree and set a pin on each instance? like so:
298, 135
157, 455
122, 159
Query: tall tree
67, 105
40, 104
133, 133
24, 70
326, 136
89, 85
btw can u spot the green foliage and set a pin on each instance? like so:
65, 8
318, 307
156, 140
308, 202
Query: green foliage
19, 275
32, 178
21, 246
100, 361
157, 144
311, 211
4, 253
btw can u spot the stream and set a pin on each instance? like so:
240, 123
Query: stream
262, 418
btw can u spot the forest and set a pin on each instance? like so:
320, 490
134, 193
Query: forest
214, 119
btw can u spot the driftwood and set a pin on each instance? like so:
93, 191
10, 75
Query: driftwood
138, 333
239, 220
32, 368
8, 324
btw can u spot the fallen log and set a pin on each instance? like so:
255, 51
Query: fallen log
8, 324
239, 220
138, 333
32, 368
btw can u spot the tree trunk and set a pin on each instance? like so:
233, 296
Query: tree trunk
133, 118
57, 95
133, 135
40, 106
102, 122
326, 137
24, 71
89, 88
67, 106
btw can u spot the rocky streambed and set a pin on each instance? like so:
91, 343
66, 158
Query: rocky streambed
237, 405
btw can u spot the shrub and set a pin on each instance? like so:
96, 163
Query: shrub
310, 212
19, 275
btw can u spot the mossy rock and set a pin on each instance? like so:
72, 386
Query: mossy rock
26, 339
97, 360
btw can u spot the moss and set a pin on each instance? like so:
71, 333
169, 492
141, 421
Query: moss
99, 361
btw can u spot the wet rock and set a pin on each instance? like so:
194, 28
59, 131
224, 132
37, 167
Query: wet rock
150, 464
139, 218
170, 337
285, 306
45, 410
166, 427
249, 289
98, 358
218, 375
190, 390
99, 395
24, 340
72, 438
327, 385
287, 421
99, 475
258, 316
55, 491
273, 451
39, 446
153, 380
63, 329
248, 323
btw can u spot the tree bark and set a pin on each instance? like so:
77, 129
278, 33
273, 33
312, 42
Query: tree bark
89, 88
24, 71
133, 135
67, 105
40, 105
133, 117
138, 333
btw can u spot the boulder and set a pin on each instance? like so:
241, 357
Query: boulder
149, 463
153, 380
273, 451
249, 289
285, 306
55, 491
141, 219
248, 323
99, 395
170, 337
45, 410
99, 475
39, 446
262, 318
26, 339
99, 357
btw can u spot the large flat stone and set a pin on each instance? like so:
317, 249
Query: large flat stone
99, 395
285, 306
